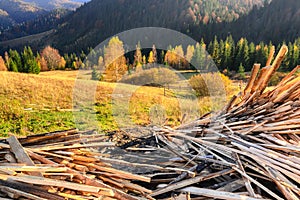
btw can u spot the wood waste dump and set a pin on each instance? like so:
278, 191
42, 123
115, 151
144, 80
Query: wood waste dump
248, 150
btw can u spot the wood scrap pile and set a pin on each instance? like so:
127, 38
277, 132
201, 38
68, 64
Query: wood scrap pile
63, 165
254, 141
248, 150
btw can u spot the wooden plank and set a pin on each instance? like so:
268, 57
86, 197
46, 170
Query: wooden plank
119, 173
271, 56
20, 193
76, 146
21, 154
56, 183
253, 76
216, 194
34, 169
29, 188
39, 158
190, 181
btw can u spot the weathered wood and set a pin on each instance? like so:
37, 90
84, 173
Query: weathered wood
20, 193
21, 154
216, 194
50, 182
191, 181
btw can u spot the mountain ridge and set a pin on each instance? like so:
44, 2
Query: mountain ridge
16, 12
99, 20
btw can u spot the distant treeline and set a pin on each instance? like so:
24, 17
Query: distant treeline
227, 55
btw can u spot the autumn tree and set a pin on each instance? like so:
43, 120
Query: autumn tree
138, 57
2, 64
154, 53
189, 53
151, 57
42, 63
53, 59
175, 57
114, 59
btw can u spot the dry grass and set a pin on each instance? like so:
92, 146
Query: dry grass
54, 91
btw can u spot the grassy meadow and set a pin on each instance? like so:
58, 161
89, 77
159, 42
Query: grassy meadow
42, 103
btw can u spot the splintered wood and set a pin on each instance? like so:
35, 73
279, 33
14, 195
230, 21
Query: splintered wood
248, 150
62, 165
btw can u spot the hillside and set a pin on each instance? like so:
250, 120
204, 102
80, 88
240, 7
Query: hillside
41, 23
49, 107
98, 20
257, 20
278, 21
13, 12
17, 12
54, 4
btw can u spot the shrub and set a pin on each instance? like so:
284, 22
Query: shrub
208, 84
276, 78
153, 77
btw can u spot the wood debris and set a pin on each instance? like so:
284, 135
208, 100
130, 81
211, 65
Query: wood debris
248, 150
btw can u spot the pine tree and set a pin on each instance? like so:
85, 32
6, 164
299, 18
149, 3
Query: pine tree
222, 55
215, 54
251, 54
239, 53
29, 61
13, 66
246, 56
229, 52
241, 71
199, 57
295, 55
14, 56
95, 75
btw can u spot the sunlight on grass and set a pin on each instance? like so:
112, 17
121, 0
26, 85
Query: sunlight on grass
41, 103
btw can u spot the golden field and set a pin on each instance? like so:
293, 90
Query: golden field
44, 102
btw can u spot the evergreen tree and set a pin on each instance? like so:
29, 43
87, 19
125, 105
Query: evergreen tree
295, 60
222, 55
241, 71
13, 66
199, 57
261, 53
215, 54
14, 61
246, 56
29, 61
251, 54
238, 59
229, 52
95, 75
